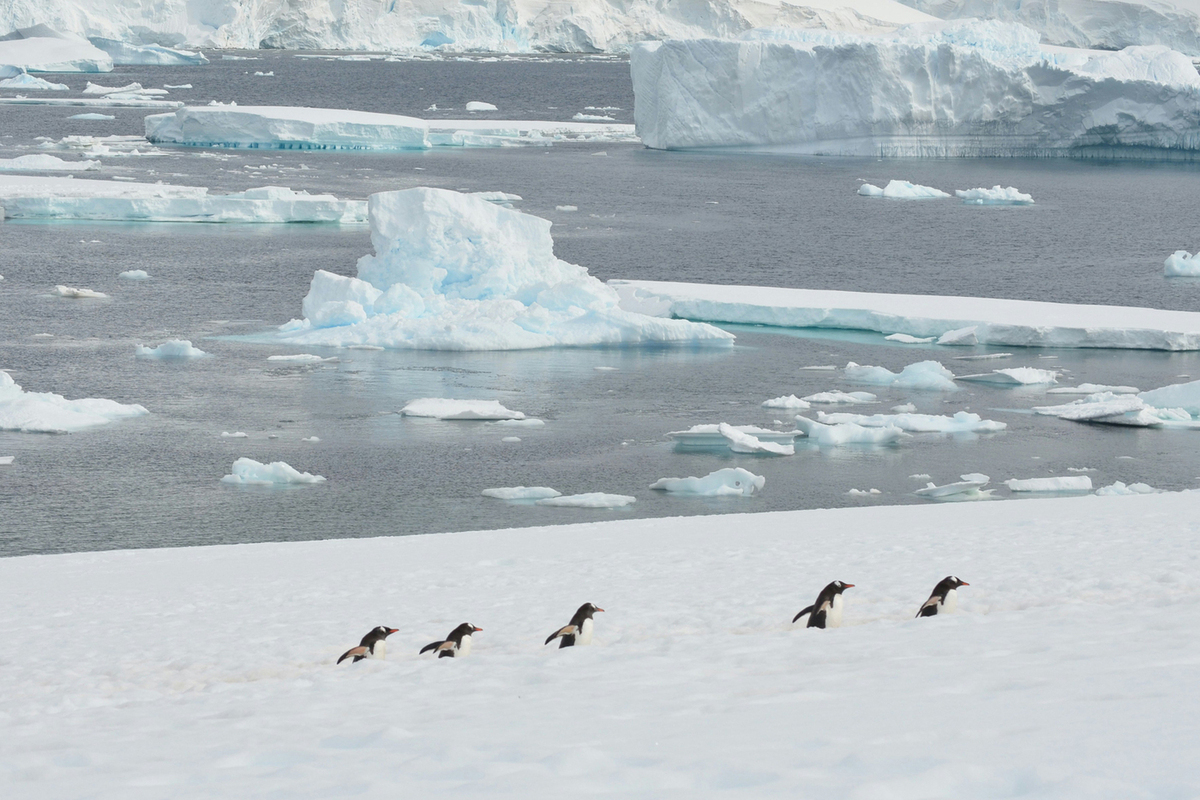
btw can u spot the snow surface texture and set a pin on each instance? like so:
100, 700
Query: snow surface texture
446, 408
996, 196
901, 190
35, 197
969, 88
295, 128
956, 320
1181, 263
43, 412
730, 481
174, 350
455, 272
51, 53
248, 472
585, 26
1067, 670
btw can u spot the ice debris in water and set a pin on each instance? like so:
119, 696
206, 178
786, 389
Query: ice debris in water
840, 398
1182, 264
248, 472
968, 487
173, 349
961, 422
91, 117
1093, 388
722, 482
235, 435
721, 436
453, 272
300, 358
40, 162
479, 105
1071, 483
135, 275
742, 441
904, 408
447, 408
566, 208
1014, 376
787, 401
996, 196
43, 412
902, 190
27, 81
1120, 489
848, 433
521, 492
863, 492
589, 500
72, 292
925, 375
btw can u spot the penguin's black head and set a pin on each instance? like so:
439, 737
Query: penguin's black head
955, 581
589, 609
840, 587
384, 631
466, 629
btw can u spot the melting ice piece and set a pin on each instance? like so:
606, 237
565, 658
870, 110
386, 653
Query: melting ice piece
173, 349
522, 492
720, 483
1181, 263
1014, 376
961, 422
906, 339
446, 408
27, 81
92, 117
838, 397
235, 435
72, 292
6, 461
300, 358
135, 275
1093, 388
248, 472
848, 433
788, 401
479, 105
589, 500
711, 436
925, 375
740, 441
967, 488
43, 412
1071, 483
1105, 407
863, 492
1120, 489
996, 196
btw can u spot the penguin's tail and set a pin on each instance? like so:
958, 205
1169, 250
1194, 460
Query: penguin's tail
802, 613
432, 646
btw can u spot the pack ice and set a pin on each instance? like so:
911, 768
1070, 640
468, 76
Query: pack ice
455, 272
44, 412
946, 89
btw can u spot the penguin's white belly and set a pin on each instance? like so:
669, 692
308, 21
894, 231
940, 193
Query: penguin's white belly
950, 604
464, 649
833, 617
378, 651
585, 633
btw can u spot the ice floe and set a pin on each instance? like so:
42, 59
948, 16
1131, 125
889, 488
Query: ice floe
44, 412
923, 375
740, 440
454, 272
1093, 388
175, 349
479, 105
248, 472
300, 358
92, 117
447, 408
1177, 405
1070, 483
720, 483
1183, 264
996, 196
968, 487
706, 437
901, 190
74, 293
135, 275
787, 401
1014, 376
126, 54
837, 397
864, 492
848, 433
521, 492
961, 422
589, 500
40, 162
6, 461
234, 435
1119, 489
32, 82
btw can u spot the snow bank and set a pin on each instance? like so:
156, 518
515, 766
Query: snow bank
1014, 376
1119, 489
1181, 263
248, 472
126, 54
454, 272
43, 412
902, 190
589, 500
521, 492
32, 82
721, 483
979, 320
924, 375
961, 422
707, 437
848, 433
174, 349
446, 408
29, 197
742, 441
51, 53
966, 88
40, 162
995, 196
1071, 483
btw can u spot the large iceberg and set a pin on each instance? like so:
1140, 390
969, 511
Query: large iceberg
42, 49
124, 53
927, 90
455, 272
43, 412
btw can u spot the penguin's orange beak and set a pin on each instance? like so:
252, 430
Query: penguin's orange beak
964, 583
477, 629
849, 585
392, 630
599, 609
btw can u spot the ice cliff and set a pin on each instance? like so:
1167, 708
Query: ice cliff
927, 90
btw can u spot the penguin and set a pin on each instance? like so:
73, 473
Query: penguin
578, 630
827, 611
943, 599
457, 644
373, 645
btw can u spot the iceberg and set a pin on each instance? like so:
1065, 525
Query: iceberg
708, 437
521, 493
43, 412
40, 49
248, 472
1014, 376
901, 190
789, 401
1181, 263
741, 441
995, 196
1178, 395
40, 162
848, 433
951, 89
135, 275
126, 54
588, 500
961, 422
446, 408
986, 321
1072, 483
730, 481
173, 350
924, 375
32, 82
71, 198
455, 272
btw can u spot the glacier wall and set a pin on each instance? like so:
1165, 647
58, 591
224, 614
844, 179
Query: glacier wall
930, 90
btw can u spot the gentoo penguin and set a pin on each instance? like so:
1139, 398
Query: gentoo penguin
944, 597
578, 630
458, 643
827, 611
371, 646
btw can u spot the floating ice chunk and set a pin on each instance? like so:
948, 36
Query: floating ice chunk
96, 88
126, 54
511, 439
235, 435
581, 117
848, 433
605, 369
27, 81
870, 190
1081, 469
720, 483
174, 349
135, 275
1181, 263
566, 208
863, 492
43, 412
177, 86
270, 74
528, 422
522, 493
72, 292
6, 461
1014, 376
1179, 395
968, 487
996, 196
903, 190
1072, 483
742, 442
840, 398
711, 436
479, 105
589, 500
961, 422
47, 51
906, 339
1120, 489
1104, 407
821, 368
989, 357
920, 476
300, 358
904, 408
446, 408
40, 162
924, 375
1093, 388
960, 337
92, 117
248, 472
787, 401
311, 439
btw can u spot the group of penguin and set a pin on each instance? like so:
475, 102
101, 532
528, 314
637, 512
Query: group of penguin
826, 612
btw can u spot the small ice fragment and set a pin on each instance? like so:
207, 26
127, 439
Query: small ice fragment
1120, 489
235, 435
821, 368
511, 439
479, 105
1093, 388
300, 358
787, 401
906, 339
996, 196
566, 208
601, 153
521, 493
1081, 469
589, 500
581, 117
921, 476
1077, 483
6, 460
720, 483
528, 422
984, 357
742, 442
72, 292
93, 117
270, 74
1181, 263
248, 472
1014, 376
173, 349
605, 369
906, 408
447, 408
863, 492
135, 275
311, 439
838, 397
177, 86
870, 190
901, 190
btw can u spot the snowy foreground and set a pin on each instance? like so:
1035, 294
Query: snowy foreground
950, 320
1068, 670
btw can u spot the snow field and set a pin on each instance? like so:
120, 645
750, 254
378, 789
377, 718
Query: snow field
209, 671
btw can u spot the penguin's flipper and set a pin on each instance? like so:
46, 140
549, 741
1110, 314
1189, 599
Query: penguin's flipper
447, 649
563, 631
446, 654
802, 613
930, 608
567, 641
817, 619
359, 653
432, 646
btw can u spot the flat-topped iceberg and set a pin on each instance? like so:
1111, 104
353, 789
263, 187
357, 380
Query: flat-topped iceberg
521, 492
455, 272
248, 472
970, 88
972, 320
41, 162
589, 500
44, 412
730, 481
